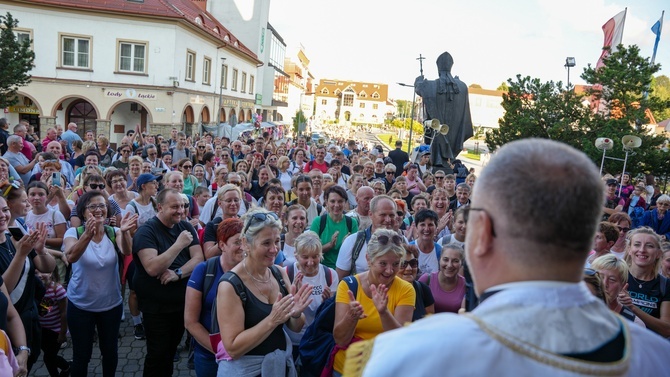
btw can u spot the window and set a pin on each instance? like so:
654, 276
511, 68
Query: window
244, 82
190, 66
375, 95
251, 84
24, 35
362, 105
75, 52
233, 86
224, 76
324, 102
375, 106
132, 57
348, 100
325, 91
206, 71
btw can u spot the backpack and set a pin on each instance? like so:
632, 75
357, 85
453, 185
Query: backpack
318, 342
210, 273
322, 223
236, 282
356, 250
109, 231
290, 270
319, 207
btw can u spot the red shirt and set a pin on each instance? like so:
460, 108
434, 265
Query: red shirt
315, 165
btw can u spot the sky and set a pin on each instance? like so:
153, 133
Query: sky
490, 40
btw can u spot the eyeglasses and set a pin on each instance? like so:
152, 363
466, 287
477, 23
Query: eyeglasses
93, 207
384, 239
201, 147
186, 204
187, 167
400, 213
662, 204
125, 151
621, 229
260, 217
273, 160
152, 154
96, 186
436, 177
466, 216
390, 172
413, 263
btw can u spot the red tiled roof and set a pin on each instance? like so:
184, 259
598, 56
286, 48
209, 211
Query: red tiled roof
177, 9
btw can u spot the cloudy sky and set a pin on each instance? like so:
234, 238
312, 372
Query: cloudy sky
490, 40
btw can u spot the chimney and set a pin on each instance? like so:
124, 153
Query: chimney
202, 4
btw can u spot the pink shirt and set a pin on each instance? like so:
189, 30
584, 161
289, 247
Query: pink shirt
450, 301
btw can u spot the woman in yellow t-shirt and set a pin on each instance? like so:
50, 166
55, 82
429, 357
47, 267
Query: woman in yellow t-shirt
382, 302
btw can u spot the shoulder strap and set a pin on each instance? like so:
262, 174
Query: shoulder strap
80, 231
352, 282
329, 274
210, 273
282, 284
282, 242
350, 224
319, 208
322, 223
132, 204
446, 240
356, 251
664, 285
290, 271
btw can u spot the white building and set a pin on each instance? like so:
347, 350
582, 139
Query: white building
485, 107
350, 102
108, 66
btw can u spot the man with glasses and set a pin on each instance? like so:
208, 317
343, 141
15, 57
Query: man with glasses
165, 252
535, 315
237, 154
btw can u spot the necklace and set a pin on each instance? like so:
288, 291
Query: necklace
244, 264
637, 281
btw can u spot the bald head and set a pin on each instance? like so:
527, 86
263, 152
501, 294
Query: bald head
543, 192
55, 148
363, 197
72, 127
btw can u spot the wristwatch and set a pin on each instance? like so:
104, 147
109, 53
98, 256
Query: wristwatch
178, 272
24, 348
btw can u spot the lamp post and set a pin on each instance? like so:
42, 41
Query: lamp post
221, 88
411, 124
569, 63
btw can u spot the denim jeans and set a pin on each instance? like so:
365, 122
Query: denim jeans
205, 363
164, 332
82, 324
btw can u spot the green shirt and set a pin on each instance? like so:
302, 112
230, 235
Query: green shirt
330, 257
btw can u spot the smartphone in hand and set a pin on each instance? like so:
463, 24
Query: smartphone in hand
17, 232
55, 179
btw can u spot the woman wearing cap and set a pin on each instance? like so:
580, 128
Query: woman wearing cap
255, 300
145, 205
382, 301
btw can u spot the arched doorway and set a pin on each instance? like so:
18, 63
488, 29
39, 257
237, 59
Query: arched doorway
187, 120
241, 118
83, 114
204, 116
232, 117
222, 115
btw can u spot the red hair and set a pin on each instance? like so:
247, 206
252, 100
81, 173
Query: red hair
228, 228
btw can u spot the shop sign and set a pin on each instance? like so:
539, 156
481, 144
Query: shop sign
229, 102
130, 94
24, 110
259, 99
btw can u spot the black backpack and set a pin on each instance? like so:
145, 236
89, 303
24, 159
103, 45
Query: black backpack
324, 218
318, 342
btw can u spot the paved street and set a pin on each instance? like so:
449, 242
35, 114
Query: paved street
131, 357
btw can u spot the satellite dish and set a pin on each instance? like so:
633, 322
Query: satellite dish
631, 142
604, 143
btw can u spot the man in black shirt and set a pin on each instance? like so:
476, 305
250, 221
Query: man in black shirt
399, 158
165, 251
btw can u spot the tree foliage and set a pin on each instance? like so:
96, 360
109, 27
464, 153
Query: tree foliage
297, 121
548, 110
503, 87
16, 61
660, 89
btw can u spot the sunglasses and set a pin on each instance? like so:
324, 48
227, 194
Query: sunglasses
436, 177
187, 167
621, 229
590, 272
390, 172
96, 186
384, 239
413, 263
201, 147
259, 217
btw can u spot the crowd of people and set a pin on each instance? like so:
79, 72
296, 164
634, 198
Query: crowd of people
243, 243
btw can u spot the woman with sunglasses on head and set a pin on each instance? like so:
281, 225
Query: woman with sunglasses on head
409, 267
255, 300
652, 299
94, 294
382, 301
446, 284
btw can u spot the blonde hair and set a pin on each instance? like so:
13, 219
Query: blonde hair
308, 242
629, 241
376, 249
610, 262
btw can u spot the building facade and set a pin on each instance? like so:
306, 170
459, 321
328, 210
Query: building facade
110, 66
350, 102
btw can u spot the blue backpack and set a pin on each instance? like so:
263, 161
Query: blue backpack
318, 342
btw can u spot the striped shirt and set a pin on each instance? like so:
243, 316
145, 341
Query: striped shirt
49, 312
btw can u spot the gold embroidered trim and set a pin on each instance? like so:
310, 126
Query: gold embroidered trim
570, 364
357, 357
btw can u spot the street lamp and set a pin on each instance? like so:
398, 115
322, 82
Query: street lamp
411, 125
221, 88
569, 63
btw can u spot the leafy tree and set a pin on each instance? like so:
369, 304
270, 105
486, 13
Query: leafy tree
297, 121
16, 60
660, 88
503, 87
547, 110
476, 86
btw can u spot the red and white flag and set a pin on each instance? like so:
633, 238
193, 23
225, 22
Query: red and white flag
613, 30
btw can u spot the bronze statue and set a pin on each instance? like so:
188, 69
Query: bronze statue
445, 99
